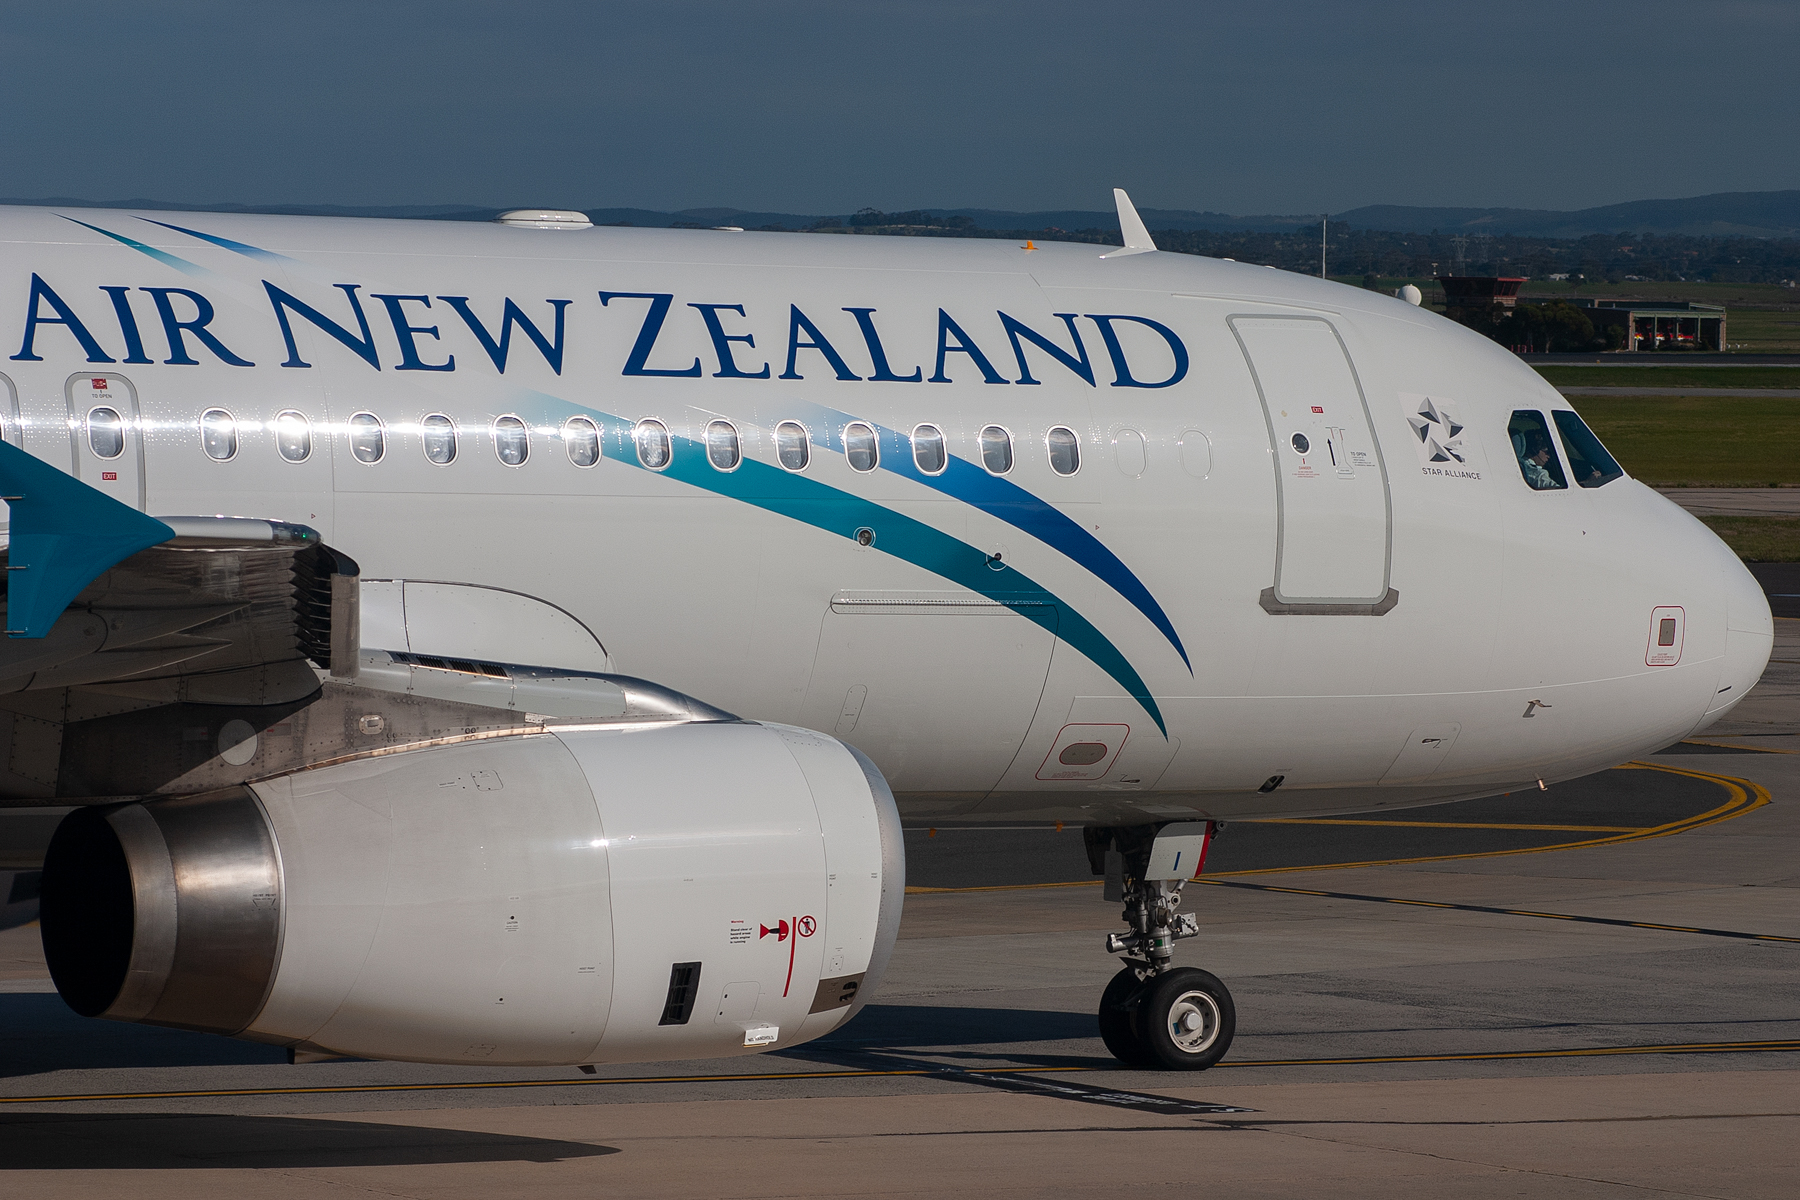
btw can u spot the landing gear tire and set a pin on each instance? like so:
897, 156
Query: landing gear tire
1183, 1020
1117, 1021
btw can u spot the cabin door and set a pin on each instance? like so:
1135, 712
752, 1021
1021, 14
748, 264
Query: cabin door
1335, 517
106, 428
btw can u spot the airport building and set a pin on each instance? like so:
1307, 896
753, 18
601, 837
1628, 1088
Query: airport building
1648, 324
1660, 324
1477, 291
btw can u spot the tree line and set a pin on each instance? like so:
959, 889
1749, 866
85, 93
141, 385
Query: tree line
1610, 258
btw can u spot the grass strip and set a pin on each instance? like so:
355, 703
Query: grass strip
1759, 539
1670, 376
1700, 441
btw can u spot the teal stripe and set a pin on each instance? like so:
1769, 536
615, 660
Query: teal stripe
823, 507
244, 248
161, 256
972, 485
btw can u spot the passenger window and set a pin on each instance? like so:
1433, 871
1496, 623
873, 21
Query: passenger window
440, 439
1065, 450
722, 449
996, 450
860, 446
293, 436
928, 449
368, 440
218, 434
652, 438
1534, 451
512, 441
582, 438
792, 450
106, 432
1589, 462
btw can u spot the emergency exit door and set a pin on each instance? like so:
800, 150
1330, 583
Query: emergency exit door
1334, 516
107, 429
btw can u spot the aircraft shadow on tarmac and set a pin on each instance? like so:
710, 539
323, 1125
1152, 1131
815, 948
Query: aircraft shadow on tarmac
949, 1025
185, 1141
883, 1029
39, 1033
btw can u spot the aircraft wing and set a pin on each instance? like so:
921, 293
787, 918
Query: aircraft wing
108, 610
221, 610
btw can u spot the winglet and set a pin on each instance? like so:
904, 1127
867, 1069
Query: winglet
65, 535
1137, 237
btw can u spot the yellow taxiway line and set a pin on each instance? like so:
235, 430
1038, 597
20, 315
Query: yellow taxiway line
1779, 1046
1742, 796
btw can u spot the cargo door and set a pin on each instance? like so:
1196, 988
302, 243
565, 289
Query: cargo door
1334, 515
108, 436
939, 688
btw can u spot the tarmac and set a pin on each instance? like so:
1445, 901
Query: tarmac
1618, 1017
1737, 502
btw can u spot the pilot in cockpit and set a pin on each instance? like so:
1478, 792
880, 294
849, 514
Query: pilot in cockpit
1533, 449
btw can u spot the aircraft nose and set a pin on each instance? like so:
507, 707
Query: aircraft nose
1749, 639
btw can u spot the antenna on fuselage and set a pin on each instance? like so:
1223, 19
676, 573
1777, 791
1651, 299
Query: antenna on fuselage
1131, 226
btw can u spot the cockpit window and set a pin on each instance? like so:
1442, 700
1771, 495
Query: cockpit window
1535, 451
1589, 462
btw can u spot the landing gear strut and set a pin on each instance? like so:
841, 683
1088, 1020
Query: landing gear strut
1153, 1013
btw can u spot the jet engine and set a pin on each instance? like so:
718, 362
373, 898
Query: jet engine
577, 895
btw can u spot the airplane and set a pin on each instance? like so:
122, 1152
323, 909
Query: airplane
520, 642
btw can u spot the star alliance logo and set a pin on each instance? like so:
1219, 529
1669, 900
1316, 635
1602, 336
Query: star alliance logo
1446, 447
1439, 433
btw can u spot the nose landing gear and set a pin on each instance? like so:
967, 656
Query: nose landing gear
1152, 1013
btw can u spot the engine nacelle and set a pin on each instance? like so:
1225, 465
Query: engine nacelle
576, 896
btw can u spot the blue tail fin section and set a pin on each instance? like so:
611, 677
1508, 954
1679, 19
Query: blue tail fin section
64, 536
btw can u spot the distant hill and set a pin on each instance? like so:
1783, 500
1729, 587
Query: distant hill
429, 212
984, 218
1726, 214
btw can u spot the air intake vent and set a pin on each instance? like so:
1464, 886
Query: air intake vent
461, 666
684, 986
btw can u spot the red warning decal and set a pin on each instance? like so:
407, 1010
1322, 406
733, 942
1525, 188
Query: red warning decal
800, 927
109, 475
1316, 408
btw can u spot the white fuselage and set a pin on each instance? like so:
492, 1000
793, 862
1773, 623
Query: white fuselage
1277, 556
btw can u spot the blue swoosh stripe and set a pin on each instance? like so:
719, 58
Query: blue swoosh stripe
963, 480
248, 251
826, 508
161, 256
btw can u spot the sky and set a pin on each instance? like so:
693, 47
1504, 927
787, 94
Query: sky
809, 107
